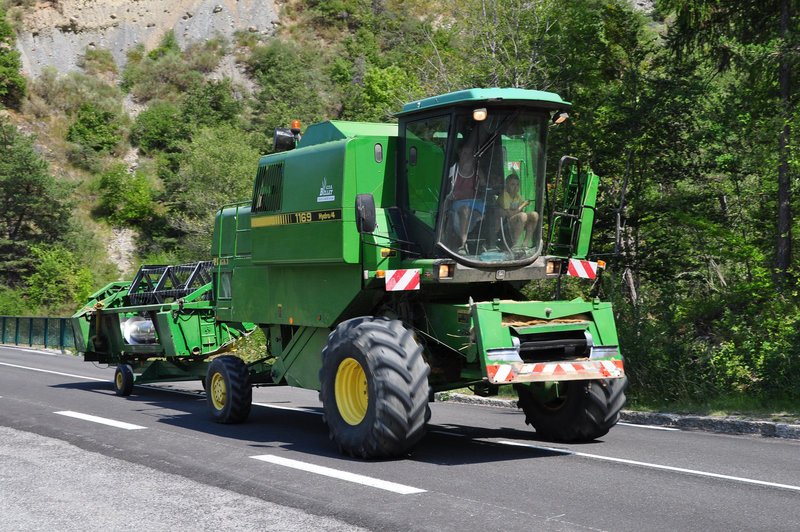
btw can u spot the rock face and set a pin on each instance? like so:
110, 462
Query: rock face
56, 32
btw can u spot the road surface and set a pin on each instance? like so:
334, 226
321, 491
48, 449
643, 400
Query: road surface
74, 456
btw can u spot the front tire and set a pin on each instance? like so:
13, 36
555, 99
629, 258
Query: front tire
585, 410
123, 380
229, 394
374, 388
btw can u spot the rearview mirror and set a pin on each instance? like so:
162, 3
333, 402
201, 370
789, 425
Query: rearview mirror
365, 213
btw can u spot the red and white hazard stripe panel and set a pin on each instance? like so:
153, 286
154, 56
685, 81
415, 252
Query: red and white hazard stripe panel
397, 280
499, 373
582, 268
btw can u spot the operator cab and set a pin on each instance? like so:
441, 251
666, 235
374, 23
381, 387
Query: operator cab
472, 175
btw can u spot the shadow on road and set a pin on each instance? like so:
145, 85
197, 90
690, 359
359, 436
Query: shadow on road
304, 432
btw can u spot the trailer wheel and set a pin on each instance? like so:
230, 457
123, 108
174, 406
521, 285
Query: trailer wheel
123, 380
374, 388
228, 393
584, 411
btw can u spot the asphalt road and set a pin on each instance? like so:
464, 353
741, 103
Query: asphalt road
74, 456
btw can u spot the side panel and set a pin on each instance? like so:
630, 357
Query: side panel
305, 295
315, 223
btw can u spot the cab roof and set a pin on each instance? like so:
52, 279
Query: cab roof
548, 100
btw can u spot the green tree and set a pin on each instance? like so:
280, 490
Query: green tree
12, 84
34, 207
760, 38
216, 168
58, 281
291, 85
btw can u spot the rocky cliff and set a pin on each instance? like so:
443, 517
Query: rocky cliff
57, 32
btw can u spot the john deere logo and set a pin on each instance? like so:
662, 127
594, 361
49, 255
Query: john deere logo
325, 192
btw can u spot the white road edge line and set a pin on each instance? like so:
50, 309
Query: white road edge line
101, 420
341, 475
651, 427
655, 466
54, 372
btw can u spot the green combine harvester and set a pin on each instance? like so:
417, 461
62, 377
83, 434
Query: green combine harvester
384, 263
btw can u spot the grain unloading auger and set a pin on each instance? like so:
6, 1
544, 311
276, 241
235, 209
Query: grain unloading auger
385, 262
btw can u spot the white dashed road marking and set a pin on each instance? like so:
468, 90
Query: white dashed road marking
341, 475
101, 420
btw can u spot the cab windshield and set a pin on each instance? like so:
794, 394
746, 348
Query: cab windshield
490, 182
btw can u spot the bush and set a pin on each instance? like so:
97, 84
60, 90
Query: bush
67, 93
98, 61
14, 303
205, 56
210, 104
125, 199
95, 129
161, 74
159, 128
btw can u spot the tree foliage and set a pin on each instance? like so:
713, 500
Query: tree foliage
688, 110
125, 199
159, 128
94, 129
12, 84
34, 207
216, 168
58, 279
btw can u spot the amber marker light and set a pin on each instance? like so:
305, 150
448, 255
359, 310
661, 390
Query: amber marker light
479, 115
380, 274
553, 266
446, 271
560, 117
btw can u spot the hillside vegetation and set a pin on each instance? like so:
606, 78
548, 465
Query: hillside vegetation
689, 108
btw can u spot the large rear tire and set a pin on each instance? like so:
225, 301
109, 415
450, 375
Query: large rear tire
584, 410
374, 388
229, 394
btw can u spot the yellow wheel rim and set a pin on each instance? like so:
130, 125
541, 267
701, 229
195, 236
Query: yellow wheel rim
218, 391
118, 380
352, 395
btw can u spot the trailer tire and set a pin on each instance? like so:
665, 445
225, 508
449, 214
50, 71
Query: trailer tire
374, 388
584, 413
123, 380
229, 394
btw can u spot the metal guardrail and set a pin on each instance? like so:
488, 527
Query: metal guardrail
36, 332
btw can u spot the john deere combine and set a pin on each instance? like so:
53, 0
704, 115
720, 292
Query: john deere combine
385, 262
